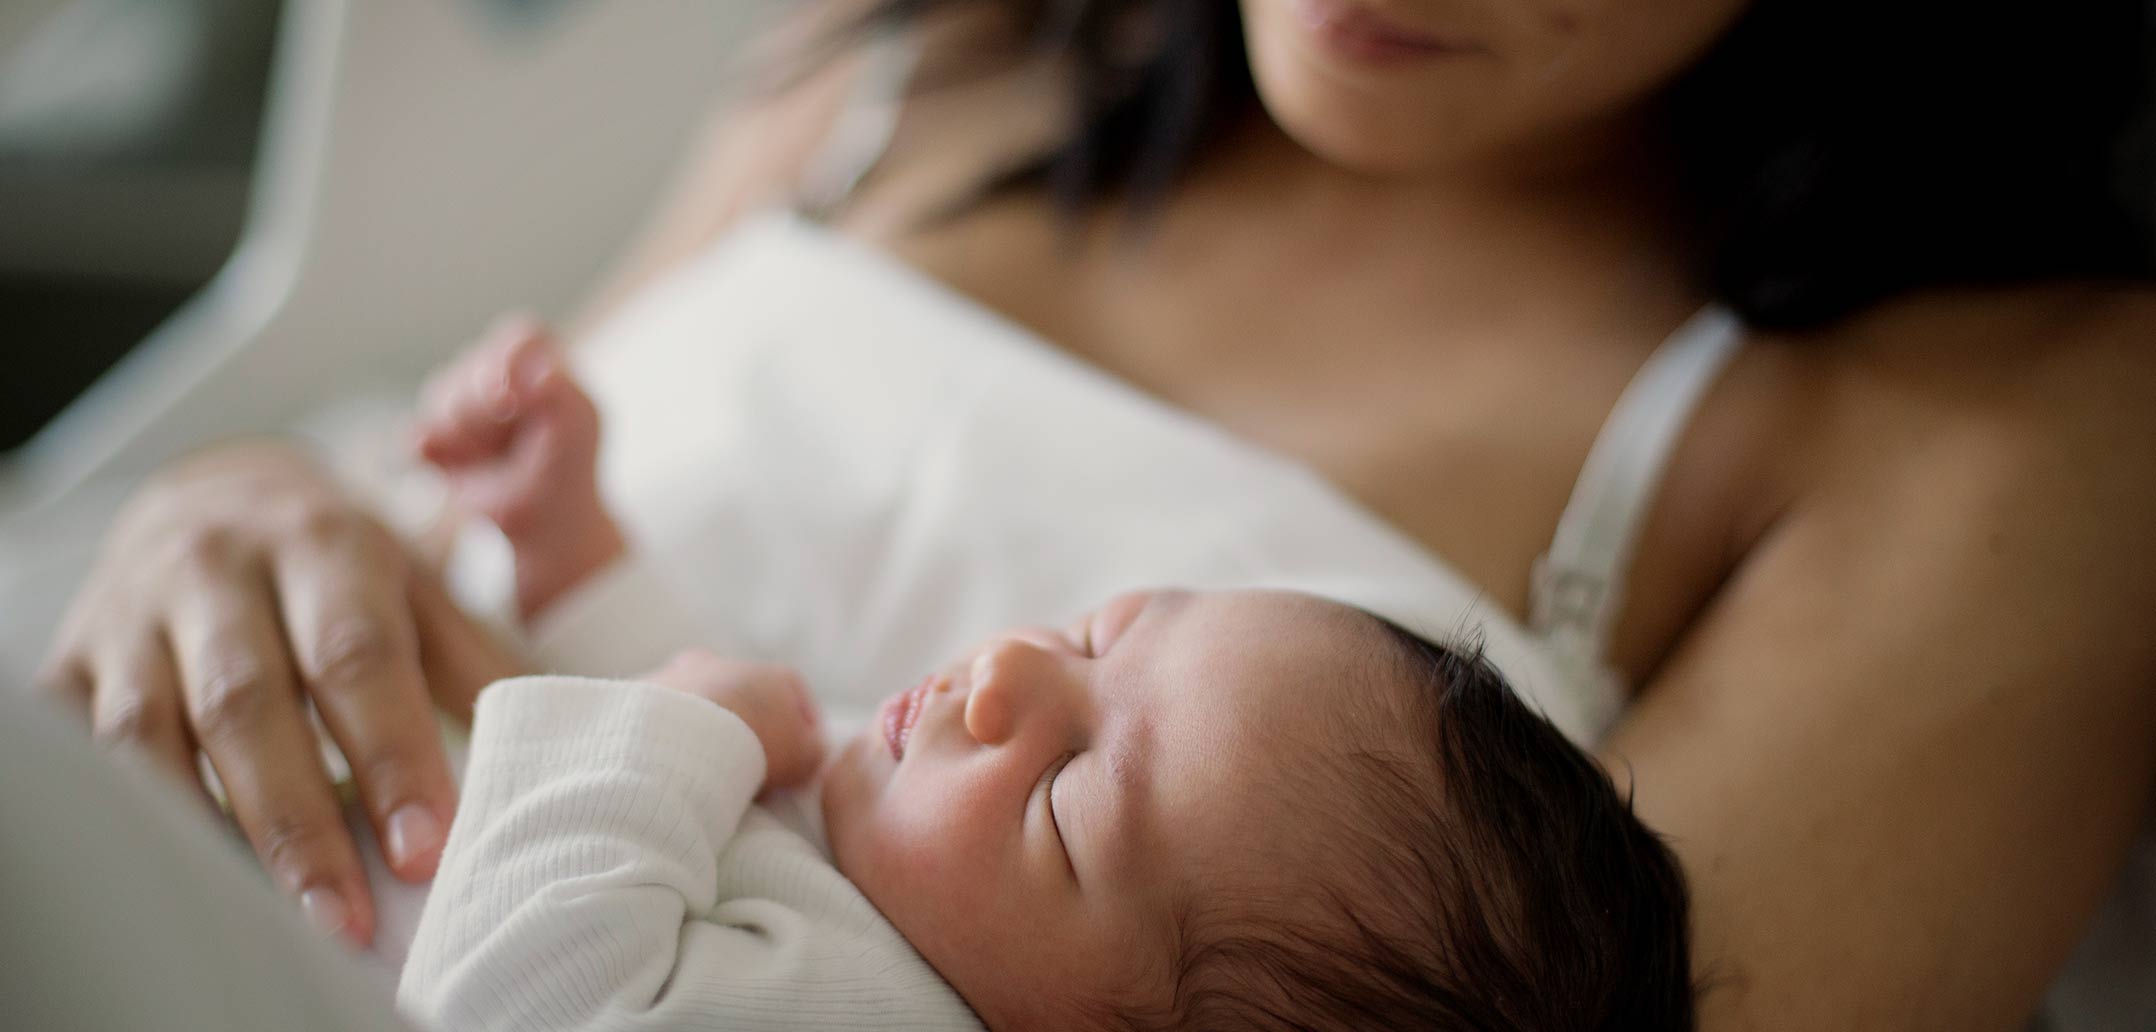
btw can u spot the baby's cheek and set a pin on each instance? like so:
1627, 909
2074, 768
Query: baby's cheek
941, 840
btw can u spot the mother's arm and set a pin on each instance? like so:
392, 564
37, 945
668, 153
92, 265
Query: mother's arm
1903, 754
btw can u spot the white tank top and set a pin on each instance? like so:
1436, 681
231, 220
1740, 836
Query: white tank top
1558, 659
851, 468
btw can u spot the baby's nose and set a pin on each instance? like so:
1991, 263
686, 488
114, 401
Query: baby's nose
1011, 679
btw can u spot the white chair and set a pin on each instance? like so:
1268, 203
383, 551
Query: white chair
425, 165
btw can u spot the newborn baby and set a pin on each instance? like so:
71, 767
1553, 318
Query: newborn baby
1183, 810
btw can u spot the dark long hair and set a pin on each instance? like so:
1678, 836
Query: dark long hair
1832, 152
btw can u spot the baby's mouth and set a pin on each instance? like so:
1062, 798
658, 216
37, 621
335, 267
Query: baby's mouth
901, 712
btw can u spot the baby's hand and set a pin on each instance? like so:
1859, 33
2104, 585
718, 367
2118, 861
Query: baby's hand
518, 442
771, 699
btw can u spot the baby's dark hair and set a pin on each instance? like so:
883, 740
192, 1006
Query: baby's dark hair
1489, 876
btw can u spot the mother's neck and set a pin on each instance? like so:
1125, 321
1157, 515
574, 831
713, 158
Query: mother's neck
1587, 223
1615, 178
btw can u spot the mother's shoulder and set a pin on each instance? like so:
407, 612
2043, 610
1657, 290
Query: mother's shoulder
2041, 354
1993, 396
2002, 326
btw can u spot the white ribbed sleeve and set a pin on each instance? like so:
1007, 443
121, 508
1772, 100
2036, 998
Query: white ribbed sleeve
606, 871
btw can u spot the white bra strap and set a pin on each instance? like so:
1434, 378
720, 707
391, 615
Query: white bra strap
863, 131
1579, 583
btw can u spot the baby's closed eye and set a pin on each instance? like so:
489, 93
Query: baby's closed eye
1048, 797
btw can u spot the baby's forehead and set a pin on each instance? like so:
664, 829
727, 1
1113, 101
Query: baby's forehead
1284, 838
1263, 723
1267, 658
1233, 722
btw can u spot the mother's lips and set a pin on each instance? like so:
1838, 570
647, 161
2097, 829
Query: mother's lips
901, 712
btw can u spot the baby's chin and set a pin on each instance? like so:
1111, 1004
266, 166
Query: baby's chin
849, 790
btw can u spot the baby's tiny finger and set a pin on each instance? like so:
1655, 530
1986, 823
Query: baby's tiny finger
445, 443
479, 426
518, 358
434, 434
485, 389
530, 366
809, 712
430, 437
433, 446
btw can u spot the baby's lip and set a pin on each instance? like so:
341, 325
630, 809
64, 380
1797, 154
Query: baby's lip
901, 712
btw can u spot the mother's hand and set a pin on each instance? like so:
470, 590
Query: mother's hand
233, 586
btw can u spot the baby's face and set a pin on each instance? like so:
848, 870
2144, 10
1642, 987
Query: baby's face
1033, 816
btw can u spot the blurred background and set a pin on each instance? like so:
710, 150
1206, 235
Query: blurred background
221, 216
127, 136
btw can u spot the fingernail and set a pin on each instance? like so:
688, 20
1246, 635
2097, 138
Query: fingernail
501, 400
531, 368
413, 832
325, 910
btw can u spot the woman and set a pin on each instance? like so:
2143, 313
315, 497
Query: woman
1884, 628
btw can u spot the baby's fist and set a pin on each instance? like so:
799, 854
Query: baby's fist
517, 441
772, 700
515, 436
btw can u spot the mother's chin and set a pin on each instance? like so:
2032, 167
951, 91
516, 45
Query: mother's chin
1405, 114
1415, 88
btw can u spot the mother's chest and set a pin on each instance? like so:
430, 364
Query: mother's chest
859, 474
1465, 440
1463, 429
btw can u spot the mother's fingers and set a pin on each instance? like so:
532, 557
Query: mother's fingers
65, 681
136, 703
357, 654
131, 698
246, 713
460, 656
